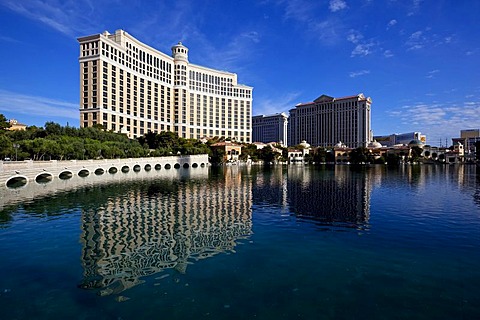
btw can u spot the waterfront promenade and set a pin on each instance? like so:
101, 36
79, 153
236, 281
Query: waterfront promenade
29, 180
21, 173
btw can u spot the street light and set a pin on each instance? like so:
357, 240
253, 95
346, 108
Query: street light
16, 146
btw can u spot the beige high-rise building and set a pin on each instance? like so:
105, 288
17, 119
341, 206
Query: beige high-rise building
127, 86
327, 121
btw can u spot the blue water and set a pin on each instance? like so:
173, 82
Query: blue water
250, 243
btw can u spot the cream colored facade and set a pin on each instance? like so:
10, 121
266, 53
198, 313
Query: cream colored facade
127, 86
327, 121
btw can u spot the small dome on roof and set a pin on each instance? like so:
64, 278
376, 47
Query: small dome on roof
416, 143
340, 144
304, 144
374, 144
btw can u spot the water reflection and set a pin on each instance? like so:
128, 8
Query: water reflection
329, 196
337, 196
168, 225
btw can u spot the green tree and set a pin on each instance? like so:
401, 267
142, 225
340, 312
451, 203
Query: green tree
4, 124
320, 155
268, 155
392, 159
359, 155
6, 147
416, 154
218, 156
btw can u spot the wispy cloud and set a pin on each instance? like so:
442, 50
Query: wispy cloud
391, 23
36, 106
311, 17
439, 120
280, 103
415, 7
388, 54
431, 74
337, 5
8, 39
362, 47
355, 74
68, 17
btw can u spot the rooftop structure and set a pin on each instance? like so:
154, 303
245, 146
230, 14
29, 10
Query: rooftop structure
127, 86
328, 120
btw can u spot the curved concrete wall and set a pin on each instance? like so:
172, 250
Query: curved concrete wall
47, 178
44, 172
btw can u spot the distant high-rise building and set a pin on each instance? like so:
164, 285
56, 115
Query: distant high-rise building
270, 128
327, 121
471, 136
127, 86
400, 138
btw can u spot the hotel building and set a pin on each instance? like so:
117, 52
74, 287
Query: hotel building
142, 231
127, 86
270, 128
327, 121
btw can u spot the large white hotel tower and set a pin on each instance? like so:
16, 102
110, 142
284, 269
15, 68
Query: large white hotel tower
127, 86
328, 121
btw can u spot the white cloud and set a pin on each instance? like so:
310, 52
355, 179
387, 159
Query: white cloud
431, 74
68, 17
355, 74
417, 40
391, 23
281, 103
300, 10
388, 53
337, 5
438, 120
354, 36
39, 106
309, 15
362, 49
415, 7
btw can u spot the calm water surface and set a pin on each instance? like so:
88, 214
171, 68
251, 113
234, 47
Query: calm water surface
248, 243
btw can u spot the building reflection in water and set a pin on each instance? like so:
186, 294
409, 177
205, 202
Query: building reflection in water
332, 196
167, 226
338, 196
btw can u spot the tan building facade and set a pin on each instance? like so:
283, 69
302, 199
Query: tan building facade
327, 120
127, 86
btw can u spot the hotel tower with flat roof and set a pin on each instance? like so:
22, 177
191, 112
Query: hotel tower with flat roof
127, 86
327, 121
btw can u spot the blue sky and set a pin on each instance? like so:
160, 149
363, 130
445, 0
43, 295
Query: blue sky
418, 60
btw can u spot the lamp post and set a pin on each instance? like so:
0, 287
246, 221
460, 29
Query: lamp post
16, 146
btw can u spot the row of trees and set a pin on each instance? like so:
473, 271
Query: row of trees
55, 142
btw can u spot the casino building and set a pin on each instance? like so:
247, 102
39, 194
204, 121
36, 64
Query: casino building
327, 121
127, 86
270, 128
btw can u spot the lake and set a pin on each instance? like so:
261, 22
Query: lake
291, 242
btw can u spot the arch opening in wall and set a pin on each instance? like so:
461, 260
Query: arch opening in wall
186, 166
44, 178
195, 165
148, 167
83, 173
16, 182
168, 166
65, 175
125, 169
137, 168
99, 172
158, 167
202, 165
177, 166
112, 170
